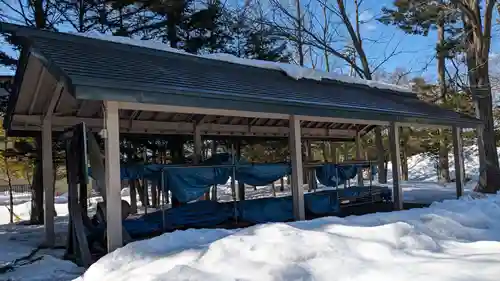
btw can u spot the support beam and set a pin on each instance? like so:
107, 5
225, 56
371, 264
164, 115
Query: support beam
185, 128
397, 191
295, 146
48, 167
112, 164
48, 183
359, 155
198, 110
458, 153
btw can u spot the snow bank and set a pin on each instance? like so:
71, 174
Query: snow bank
453, 240
422, 167
294, 71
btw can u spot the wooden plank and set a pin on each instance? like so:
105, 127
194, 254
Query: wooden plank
112, 163
37, 90
458, 153
295, 147
397, 193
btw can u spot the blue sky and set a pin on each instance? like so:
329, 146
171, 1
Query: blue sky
414, 53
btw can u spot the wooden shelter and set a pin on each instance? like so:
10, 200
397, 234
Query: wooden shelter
63, 79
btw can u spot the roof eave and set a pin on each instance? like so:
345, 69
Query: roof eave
108, 92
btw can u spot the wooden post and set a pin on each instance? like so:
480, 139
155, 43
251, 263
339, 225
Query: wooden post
397, 193
359, 156
295, 147
112, 163
458, 153
48, 182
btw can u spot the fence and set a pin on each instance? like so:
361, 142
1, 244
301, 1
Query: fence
23, 189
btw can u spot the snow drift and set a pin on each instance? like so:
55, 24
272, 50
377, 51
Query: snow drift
453, 240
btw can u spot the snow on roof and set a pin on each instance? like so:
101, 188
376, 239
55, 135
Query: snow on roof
294, 71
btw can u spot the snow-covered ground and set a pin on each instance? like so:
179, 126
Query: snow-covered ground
22, 259
452, 240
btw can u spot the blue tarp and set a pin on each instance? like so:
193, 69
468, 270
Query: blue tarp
201, 214
265, 210
281, 209
262, 174
190, 184
322, 203
335, 174
204, 214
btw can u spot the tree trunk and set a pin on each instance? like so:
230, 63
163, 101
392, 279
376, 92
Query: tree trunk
139, 187
300, 42
36, 216
382, 174
346, 152
133, 196
404, 161
478, 41
444, 170
444, 165
154, 186
324, 151
9, 180
334, 153
176, 147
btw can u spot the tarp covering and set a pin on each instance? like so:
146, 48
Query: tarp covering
322, 203
190, 184
262, 174
281, 209
201, 214
204, 214
194, 215
335, 174
266, 210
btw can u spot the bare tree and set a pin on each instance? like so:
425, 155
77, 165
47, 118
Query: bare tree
325, 34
